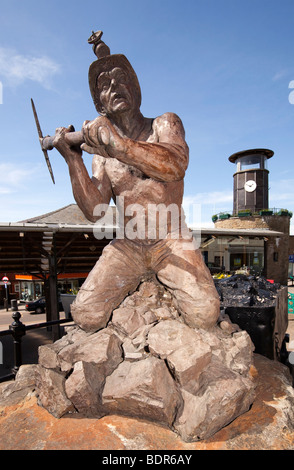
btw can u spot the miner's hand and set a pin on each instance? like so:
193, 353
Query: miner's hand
67, 151
101, 138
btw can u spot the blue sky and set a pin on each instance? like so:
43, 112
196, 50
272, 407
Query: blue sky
224, 66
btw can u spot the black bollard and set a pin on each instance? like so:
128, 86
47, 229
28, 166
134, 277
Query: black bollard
18, 330
14, 305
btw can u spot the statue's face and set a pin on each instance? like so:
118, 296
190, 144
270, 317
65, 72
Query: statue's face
115, 91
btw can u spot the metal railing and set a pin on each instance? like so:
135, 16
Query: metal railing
17, 330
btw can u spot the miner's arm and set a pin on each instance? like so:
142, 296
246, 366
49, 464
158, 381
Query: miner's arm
166, 159
87, 192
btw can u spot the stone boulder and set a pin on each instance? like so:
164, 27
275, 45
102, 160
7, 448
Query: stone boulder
187, 355
24, 384
148, 363
80, 362
51, 391
144, 389
222, 396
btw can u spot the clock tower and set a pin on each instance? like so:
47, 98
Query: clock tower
251, 179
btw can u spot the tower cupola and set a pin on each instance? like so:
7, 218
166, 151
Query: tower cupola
251, 179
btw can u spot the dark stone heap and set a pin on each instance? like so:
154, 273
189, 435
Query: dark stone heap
241, 290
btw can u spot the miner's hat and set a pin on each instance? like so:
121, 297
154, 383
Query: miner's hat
106, 62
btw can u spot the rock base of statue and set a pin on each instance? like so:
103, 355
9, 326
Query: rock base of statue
148, 364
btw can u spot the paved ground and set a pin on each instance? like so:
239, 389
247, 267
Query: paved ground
26, 317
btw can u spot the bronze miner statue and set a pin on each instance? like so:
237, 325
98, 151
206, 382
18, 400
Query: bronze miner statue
149, 340
142, 162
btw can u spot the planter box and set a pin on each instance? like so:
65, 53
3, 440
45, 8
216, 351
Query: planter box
266, 212
224, 216
244, 214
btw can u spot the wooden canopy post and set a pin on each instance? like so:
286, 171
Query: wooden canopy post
51, 293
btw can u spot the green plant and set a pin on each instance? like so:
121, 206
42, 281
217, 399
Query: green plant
285, 212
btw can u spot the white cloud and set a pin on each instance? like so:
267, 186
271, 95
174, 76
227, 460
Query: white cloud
200, 207
16, 68
282, 191
214, 197
279, 75
13, 177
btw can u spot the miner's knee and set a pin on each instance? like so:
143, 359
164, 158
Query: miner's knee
202, 313
211, 313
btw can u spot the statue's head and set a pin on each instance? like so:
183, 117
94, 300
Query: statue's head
113, 82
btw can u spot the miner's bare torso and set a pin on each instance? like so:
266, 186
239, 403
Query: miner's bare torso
130, 186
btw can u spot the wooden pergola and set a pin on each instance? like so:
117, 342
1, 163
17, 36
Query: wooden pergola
46, 250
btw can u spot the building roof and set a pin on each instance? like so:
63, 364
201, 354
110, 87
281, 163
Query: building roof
70, 215
268, 153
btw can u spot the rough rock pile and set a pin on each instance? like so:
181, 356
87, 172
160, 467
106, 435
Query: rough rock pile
148, 364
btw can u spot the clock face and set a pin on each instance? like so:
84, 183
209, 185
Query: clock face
250, 186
